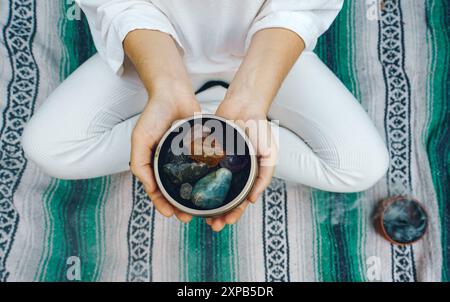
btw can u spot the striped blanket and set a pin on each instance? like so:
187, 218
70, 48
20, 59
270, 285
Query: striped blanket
395, 60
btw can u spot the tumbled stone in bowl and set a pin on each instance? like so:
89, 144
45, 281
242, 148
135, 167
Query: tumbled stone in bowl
186, 191
234, 163
186, 172
178, 159
210, 191
206, 151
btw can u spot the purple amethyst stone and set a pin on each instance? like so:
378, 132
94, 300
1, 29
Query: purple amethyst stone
234, 163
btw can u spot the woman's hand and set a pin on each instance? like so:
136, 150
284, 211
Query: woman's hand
161, 111
248, 115
271, 55
158, 61
159, 64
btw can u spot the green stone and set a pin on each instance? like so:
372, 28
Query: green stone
187, 172
210, 191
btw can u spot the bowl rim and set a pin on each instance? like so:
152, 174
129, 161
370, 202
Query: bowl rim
226, 207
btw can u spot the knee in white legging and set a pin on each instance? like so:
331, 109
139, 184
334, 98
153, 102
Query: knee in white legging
369, 167
345, 169
62, 147
42, 147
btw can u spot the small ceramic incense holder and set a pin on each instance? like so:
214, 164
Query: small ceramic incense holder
401, 220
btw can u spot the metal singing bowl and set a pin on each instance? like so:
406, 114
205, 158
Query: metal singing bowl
226, 207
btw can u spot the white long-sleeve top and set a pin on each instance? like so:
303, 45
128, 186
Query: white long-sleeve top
212, 34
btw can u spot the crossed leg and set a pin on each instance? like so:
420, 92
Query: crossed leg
327, 140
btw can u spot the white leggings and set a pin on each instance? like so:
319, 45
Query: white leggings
327, 140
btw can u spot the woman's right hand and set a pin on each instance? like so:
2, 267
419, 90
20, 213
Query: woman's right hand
162, 110
160, 66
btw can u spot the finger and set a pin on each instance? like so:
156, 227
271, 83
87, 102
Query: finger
218, 224
140, 161
208, 221
183, 217
161, 204
263, 180
267, 147
235, 214
260, 134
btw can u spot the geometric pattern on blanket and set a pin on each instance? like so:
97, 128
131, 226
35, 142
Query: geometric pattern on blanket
396, 62
397, 118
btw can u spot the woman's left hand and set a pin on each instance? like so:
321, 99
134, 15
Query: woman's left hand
247, 115
272, 53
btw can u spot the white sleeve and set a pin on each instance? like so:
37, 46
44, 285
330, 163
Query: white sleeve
111, 20
307, 18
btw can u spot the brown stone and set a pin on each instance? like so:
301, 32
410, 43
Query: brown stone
207, 150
